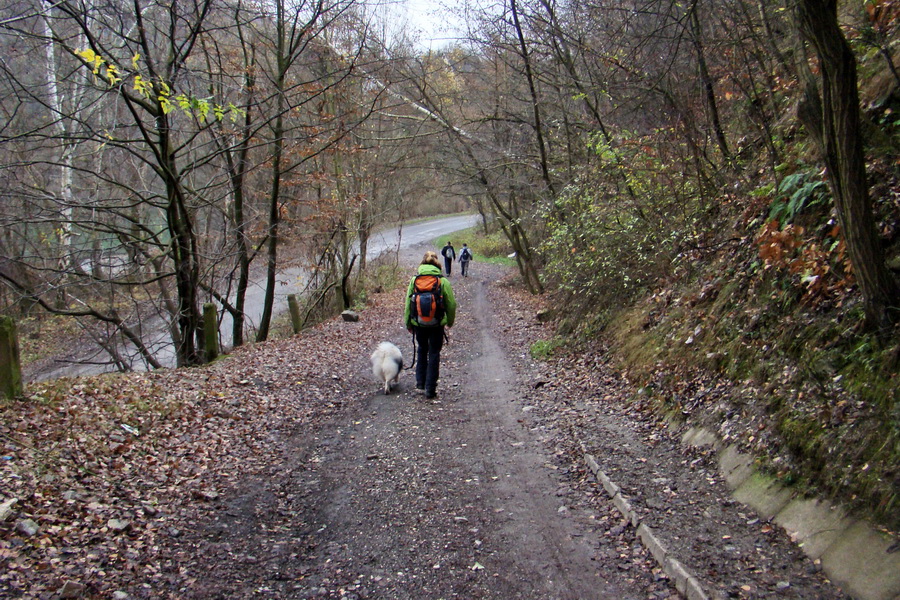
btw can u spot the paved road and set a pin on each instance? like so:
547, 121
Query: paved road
288, 281
293, 280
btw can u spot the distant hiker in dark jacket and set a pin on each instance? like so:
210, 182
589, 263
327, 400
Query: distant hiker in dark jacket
449, 255
430, 338
465, 255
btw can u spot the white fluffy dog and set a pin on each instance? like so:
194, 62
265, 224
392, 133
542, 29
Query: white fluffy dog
387, 363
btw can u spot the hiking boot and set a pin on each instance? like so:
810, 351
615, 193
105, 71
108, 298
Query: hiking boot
430, 395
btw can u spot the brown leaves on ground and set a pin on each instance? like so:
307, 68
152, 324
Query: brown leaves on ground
109, 467
583, 393
103, 477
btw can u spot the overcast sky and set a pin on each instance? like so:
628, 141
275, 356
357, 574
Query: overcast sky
435, 23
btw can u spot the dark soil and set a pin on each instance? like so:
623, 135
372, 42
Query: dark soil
328, 488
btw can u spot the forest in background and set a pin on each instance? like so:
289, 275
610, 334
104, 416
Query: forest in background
712, 185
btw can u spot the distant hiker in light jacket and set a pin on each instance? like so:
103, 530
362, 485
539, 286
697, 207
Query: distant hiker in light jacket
449, 255
429, 338
465, 255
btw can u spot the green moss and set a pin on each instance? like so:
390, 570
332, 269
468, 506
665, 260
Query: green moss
724, 302
638, 348
801, 433
544, 349
827, 393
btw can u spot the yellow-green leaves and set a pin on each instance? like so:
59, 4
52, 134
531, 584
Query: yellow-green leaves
91, 58
95, 62
164, 97
112, 74
202, 108
142, 86
159, 90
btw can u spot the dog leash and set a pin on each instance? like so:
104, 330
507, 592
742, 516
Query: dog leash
415, 354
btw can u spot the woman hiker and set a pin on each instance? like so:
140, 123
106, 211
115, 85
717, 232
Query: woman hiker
430, 306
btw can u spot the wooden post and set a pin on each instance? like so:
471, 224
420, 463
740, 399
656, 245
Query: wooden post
295, 312
210, 331
10, 365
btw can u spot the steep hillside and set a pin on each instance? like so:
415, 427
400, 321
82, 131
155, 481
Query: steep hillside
790, 377
756, 328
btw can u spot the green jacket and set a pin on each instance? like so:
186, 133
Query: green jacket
446, 291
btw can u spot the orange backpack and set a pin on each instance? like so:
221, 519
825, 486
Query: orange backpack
426, 304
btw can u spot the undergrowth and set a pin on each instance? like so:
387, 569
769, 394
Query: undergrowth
382, 274
741, 315
544, 349
815, 398
43, 335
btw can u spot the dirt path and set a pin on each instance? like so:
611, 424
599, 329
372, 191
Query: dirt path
481, 493
400, 497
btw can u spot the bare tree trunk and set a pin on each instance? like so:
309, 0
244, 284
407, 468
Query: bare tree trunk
706, 79
237, 160
64, 229
187, 274
265, 320
535, 106
841, 143
291, 37
282, 63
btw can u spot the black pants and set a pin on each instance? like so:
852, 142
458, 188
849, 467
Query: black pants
428, 357
448, 262
464, 266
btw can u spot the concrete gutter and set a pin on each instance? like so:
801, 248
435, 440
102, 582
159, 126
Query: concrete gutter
854, 554
685, 582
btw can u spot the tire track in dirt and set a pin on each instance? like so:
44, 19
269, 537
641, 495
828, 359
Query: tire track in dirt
532, 517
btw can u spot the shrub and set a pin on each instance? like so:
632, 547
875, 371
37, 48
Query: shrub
605, 247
